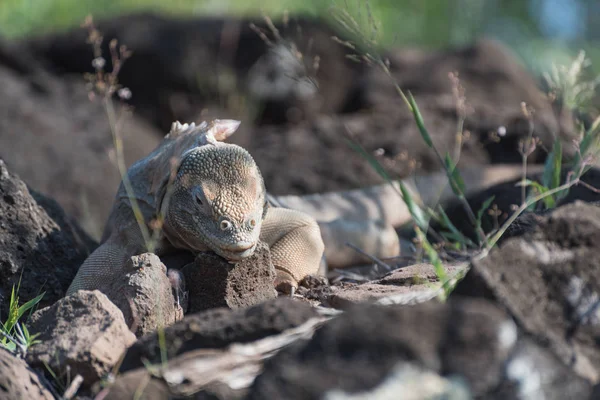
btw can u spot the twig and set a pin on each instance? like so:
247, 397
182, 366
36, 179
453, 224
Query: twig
73, 387
370, 257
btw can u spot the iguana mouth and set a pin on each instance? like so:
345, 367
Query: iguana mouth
239, 253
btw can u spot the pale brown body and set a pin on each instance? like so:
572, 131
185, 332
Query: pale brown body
231, 217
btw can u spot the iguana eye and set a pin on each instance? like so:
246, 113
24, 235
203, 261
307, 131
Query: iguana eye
199, 200
225, 225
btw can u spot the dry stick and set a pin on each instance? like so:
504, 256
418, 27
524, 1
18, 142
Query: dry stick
526, 150
369, 256
494, 239
73, 387
118, 143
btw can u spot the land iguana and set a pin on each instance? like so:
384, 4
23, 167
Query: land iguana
211, 196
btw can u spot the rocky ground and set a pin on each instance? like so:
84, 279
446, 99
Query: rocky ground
523, 322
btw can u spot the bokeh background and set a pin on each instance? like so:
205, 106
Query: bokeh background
200, 59
539, 31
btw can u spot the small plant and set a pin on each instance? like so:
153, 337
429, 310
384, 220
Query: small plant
15, 335
104, 85
566, 86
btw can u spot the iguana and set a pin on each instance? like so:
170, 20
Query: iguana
211, 196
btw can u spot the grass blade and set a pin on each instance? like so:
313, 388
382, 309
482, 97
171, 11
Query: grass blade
486, 204
419, 120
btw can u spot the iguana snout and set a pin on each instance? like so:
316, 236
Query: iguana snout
217, 202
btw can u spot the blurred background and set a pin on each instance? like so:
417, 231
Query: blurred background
539, 31
300, 96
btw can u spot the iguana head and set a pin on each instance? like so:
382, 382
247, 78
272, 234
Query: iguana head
217, 200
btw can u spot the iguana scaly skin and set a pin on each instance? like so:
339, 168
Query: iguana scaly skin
212, 197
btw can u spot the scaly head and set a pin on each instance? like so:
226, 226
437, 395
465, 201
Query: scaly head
217, 201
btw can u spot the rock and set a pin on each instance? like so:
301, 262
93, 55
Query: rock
144, 294
357, 352
18, 381
412, 283
305, 135
48, 121
507, 195
163, 73
38, 251
413, 381
218, 328
534, 373
547, 279
495, 84
137, 381
84, 332
214, 282
167, 383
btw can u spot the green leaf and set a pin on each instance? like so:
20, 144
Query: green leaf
486, 204
435, 260
30, 304
549, 201
456, 181
419, 120
456, 234
416, 212
553, 166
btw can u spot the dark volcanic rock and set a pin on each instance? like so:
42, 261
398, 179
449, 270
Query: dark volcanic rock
362, 350
549, 280
144, 294
213, 282
84, 332
218, 328
287, 126
357, 350
43, 252
180, 66
507, 195
495, 84
59, 142
18, 381
412, 283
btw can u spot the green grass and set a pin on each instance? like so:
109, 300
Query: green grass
14, 335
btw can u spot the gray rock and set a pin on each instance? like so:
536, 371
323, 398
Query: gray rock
214, 282
549, 280
355, 352
18, 381
411, 283
85, 332
218, 328
144, 294
38, 252
59, 142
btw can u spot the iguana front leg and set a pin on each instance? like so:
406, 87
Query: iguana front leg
107, 262
295, 243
